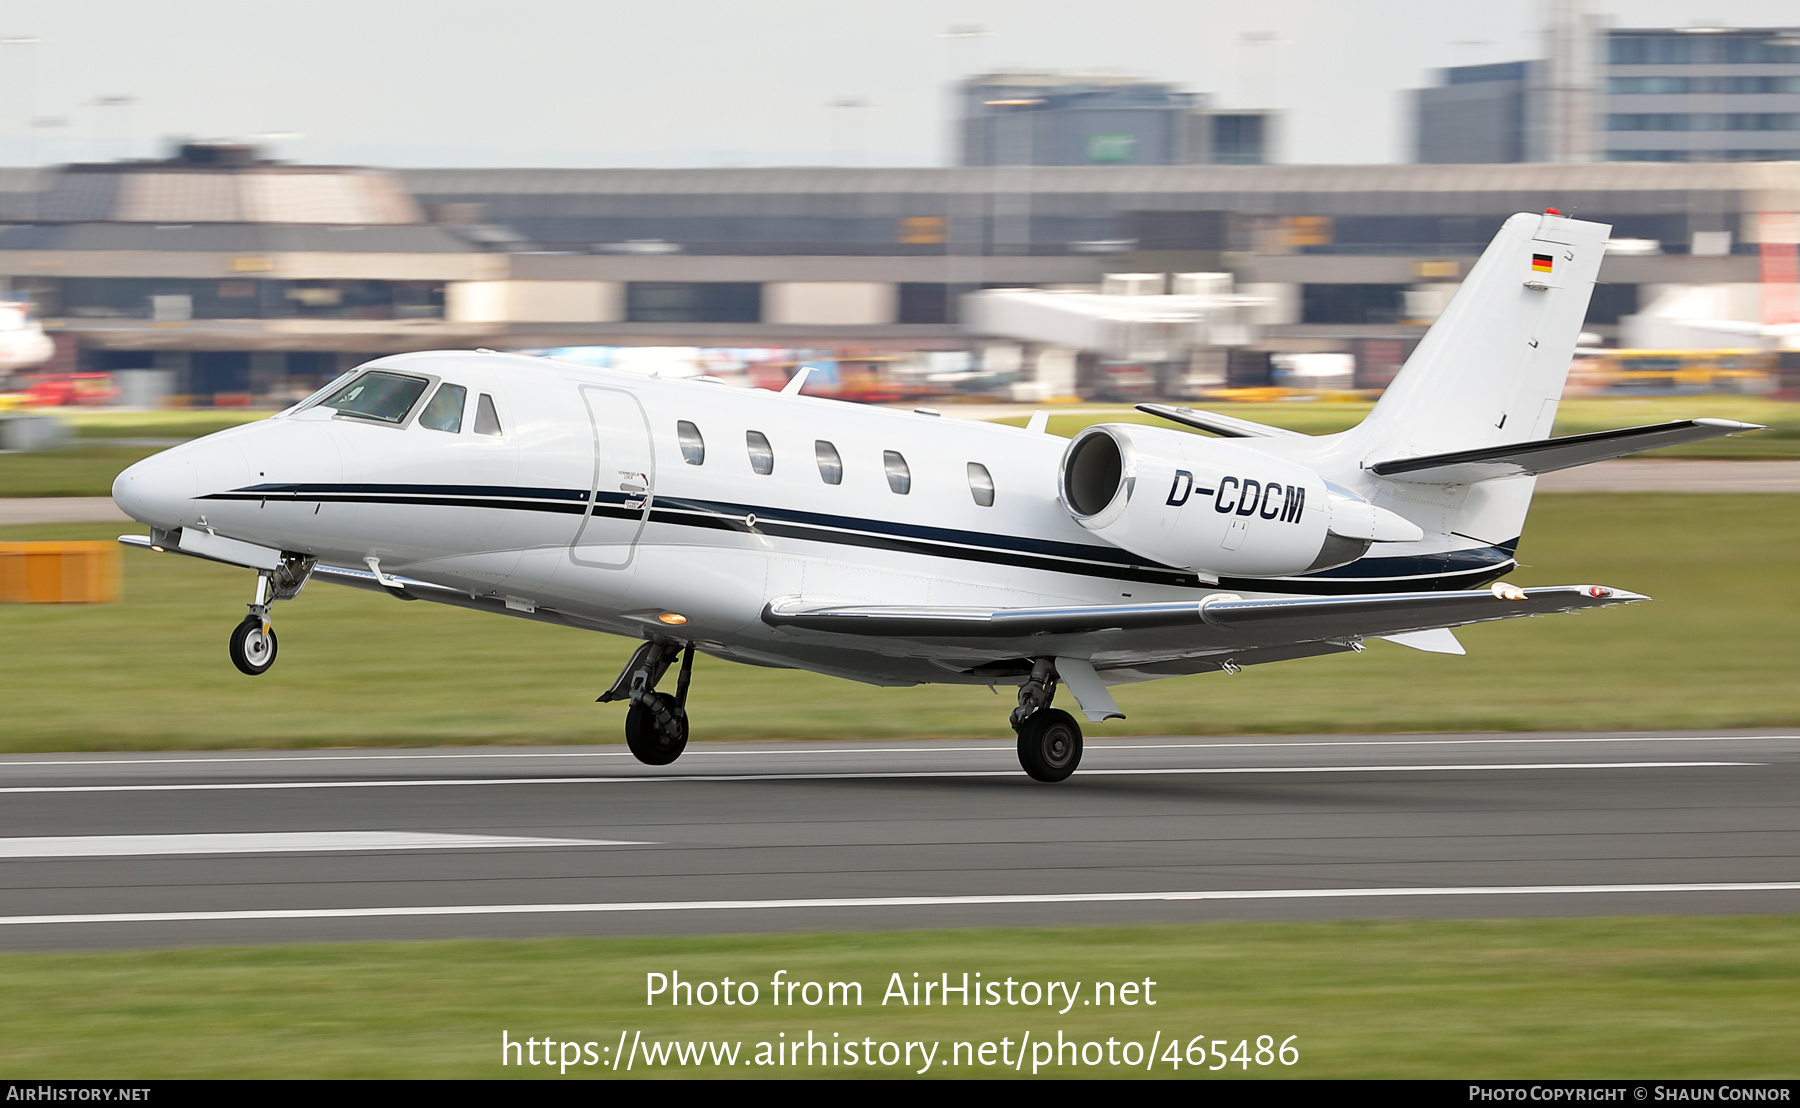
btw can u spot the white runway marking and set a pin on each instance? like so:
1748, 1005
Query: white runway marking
888, 902
275, 842
238, 786
1273, 743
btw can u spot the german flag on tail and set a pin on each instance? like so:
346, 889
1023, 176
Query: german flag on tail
1540, 263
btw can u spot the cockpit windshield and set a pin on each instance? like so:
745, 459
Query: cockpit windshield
377, 395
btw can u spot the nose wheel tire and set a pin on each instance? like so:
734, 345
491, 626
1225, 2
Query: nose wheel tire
252, 648
1050, 744
650, 743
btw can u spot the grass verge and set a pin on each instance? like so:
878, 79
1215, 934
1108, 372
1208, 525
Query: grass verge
188, 423
86, 468
1641, 997
1718, 648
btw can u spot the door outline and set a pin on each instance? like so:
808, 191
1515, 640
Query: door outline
608, 474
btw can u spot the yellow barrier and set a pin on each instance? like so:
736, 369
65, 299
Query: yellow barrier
60, 573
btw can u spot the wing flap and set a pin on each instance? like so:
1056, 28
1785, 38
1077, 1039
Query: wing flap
1549, 455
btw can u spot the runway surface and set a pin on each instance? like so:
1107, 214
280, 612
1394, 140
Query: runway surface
125, 850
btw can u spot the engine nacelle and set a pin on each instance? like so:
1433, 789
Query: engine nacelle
1215, 508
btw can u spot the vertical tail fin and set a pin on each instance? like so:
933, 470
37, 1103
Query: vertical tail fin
1491, 369
1490, 372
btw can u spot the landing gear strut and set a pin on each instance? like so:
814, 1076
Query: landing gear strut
656, 725
1049, 738
252, 644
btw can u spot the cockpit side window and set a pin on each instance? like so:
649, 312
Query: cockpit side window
444, 412
377, 395
487, 421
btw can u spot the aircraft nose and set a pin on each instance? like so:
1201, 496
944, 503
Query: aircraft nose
158, 491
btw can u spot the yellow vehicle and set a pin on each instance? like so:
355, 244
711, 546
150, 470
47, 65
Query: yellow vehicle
1654, 371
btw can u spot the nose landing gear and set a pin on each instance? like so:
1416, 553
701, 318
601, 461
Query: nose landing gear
252, 644
656, 726
1049, 738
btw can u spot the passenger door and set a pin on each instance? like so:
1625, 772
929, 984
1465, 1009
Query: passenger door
623, 486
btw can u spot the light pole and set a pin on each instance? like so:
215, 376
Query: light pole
848, 151
100, 104
951, 35
30, 91
1014, 116
1247, 57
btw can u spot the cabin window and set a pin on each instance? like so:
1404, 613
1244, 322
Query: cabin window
487, 421
981, 484
899, 477
693, 447
762, 455
376, 395
831, 467
445, 410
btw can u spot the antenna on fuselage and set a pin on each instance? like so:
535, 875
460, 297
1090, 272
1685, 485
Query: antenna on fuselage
792, 388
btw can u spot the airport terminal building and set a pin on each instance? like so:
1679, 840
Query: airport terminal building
233, 275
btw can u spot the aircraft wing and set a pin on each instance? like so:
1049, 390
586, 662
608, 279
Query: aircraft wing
1548, 455
1219, 621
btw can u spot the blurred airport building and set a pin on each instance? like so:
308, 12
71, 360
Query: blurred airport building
1039, 118
218, 276
1680, 94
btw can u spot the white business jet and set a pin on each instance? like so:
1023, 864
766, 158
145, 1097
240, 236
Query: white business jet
900, 547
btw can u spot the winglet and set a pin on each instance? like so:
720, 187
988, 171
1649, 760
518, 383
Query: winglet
1040, 419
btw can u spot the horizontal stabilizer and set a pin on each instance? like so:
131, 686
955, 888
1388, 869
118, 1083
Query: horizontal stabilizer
1230, 427
1220, 619
1548, 455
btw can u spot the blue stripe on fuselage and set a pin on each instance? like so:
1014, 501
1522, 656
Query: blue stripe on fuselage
1446, 570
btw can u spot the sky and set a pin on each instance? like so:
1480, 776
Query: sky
714, 82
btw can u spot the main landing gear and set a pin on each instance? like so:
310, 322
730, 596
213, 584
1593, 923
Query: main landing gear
1049, 738
656, 725
252, 644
